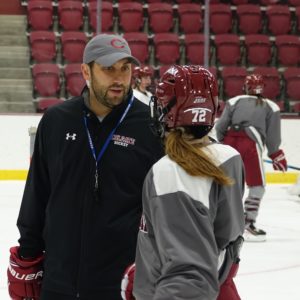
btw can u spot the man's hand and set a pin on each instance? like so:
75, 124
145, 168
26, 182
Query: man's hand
279, 161
127, 283
24, 276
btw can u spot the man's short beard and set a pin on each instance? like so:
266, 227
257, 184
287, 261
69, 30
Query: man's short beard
104, 100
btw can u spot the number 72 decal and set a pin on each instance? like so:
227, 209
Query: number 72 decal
199, 114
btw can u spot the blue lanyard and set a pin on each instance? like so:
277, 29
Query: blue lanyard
108, 139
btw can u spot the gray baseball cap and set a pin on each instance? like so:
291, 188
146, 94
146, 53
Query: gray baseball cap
107, 49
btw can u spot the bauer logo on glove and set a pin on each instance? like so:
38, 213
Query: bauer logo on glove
24, 276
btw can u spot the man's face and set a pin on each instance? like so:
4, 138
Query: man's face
110, 85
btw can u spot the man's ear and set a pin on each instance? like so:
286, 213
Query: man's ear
86, 72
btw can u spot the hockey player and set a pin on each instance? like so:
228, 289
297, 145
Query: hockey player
192, 222
249, 123
141, 81
82, 202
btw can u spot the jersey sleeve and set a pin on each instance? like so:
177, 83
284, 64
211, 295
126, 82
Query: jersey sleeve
273, 128
186, 247
223, 122
229, 221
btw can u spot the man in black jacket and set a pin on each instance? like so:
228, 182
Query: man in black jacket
81, 206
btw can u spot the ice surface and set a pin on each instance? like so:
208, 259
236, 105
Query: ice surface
268, 271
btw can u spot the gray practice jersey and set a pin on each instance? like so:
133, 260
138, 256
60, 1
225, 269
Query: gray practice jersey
187, 223
261, 122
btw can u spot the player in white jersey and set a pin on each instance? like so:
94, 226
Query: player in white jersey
142, 78
249, 123
193, 220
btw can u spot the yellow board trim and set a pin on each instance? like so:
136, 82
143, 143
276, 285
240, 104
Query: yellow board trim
13, 174
274, 177
287, 177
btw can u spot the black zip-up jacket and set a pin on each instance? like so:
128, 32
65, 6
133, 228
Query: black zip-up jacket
88, 239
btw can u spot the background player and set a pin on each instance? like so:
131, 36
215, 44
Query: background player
249, 123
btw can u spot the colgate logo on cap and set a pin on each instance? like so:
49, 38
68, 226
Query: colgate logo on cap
116, 43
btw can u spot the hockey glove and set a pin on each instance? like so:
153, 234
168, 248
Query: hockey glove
127, 283
228, 289
279, 161
24, 276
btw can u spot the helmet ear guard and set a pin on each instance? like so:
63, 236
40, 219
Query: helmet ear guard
157, 114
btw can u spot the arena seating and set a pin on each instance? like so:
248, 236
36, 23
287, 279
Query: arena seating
42, 45
131, 16
74, 81
70, 15
160, 17
46, 78
246, 36
258, 49
249, 18
190, 17
228, 50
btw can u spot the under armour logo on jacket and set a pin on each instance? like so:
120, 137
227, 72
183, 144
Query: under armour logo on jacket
71, 136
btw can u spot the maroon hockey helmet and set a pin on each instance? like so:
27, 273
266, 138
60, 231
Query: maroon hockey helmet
141, 71
254, 84
188, 96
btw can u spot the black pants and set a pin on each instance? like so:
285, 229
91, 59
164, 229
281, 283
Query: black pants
47, 295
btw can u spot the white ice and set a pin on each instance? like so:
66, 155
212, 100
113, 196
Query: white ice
268, 271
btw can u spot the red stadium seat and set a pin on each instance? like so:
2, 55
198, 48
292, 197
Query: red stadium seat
296, 107
72, 44
160, 17
292, 82
279, 19
281, 104
194, 48
221, 106
46, 78
70, 15
44, 103
220, 18
74, 79
228, 49
131, 18
166, 48
288, 49
106, 16
271, 77
249, 18
238, 2
190, 17
138, 42
258, 48
40, 15
297, 15
42, 46
294, 2
214, 71
268, 2
233, 81
158, 1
